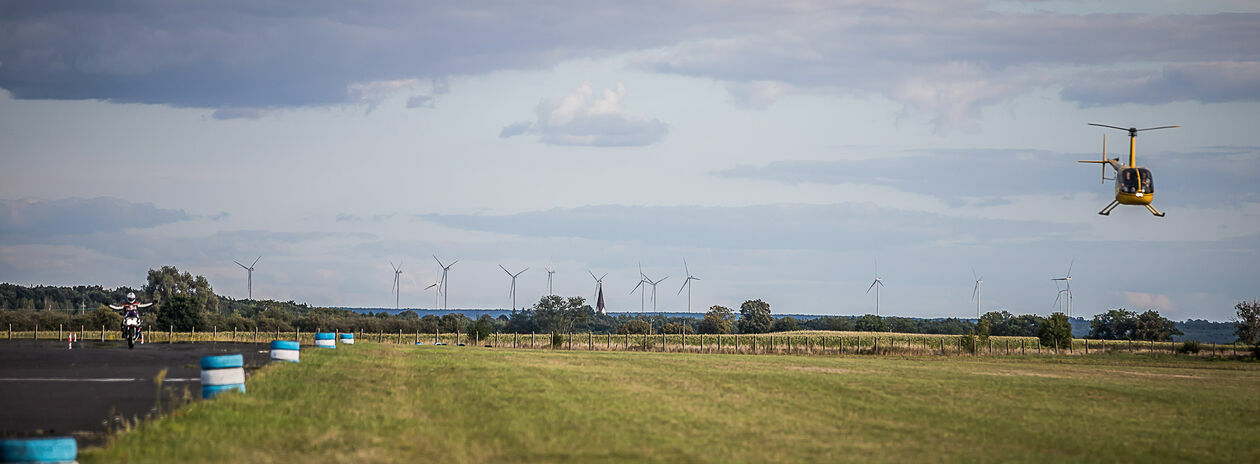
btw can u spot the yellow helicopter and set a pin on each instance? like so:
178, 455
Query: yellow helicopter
1134, 184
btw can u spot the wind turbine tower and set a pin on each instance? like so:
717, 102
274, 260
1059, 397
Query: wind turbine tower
877, 284
653, 284
550, 273
444, 288
975, 293
397, 288
513, 276
1067, 279
687, 284
642, 280
249, 279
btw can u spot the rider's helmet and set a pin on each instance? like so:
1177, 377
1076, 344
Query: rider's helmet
131, 297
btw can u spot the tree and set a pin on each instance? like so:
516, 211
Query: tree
558, 315
983, 328
718, 320
1151, 326
482, 328
179, 311
1248, 325
677, 328
165, 283
785, 324
754, 317
1115, 324
1055, 329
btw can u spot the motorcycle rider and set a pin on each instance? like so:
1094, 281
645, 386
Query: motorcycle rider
131, 308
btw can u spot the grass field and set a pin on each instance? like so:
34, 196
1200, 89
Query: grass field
393, 403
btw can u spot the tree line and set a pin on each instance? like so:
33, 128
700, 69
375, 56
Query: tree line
186, 302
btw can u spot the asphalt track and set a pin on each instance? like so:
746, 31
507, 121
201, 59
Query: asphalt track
48, 389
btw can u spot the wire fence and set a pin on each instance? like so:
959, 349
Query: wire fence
797, 343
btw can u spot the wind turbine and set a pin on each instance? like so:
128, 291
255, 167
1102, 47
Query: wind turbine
250, 278
1067, 279
642, 279
550, 273
397, 288
445, 285
687, 284
599, 291
975, 293
653, 284
877, 284
513, 276
437, 295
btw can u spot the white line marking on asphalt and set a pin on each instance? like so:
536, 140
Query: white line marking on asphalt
53, 379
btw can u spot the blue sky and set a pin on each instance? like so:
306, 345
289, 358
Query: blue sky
781, 149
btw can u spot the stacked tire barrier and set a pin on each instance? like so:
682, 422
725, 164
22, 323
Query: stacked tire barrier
222, 373
347, 339
325, 340
285, 350
57, 449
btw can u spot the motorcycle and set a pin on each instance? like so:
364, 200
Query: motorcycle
131, 328
131, 319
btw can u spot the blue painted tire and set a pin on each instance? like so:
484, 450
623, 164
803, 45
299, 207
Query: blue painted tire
325, 336
285, 345
59, 449
419, 343
347, 335
210, 391
222, 362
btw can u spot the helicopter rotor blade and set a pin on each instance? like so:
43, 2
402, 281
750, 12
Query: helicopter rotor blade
1113, 127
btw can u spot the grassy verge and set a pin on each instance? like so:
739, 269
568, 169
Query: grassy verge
393, 403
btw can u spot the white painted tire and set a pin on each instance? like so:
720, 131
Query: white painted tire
326, 344
223, 376
286, 355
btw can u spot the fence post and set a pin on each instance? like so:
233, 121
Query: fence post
531, 339
170, 334
514, 337
590, 345
59, 336
754, 344
36, 331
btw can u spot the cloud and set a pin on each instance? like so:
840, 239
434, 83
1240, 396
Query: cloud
582, 118
946, 58
1205, 82
1142, 301
32, 220
992, 176
838, 227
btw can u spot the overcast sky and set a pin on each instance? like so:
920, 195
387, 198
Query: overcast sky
781, 148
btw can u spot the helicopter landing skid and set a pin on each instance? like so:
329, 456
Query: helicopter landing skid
1107, 211
1154, 211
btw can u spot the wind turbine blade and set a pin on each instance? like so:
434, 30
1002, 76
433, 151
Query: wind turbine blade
439, 262
430, 286
391, 264
522, 271
255, 261
685, 268
868, 289
974, 290
1069, 273
601, 278
684, 285
453, 263
1160, 127
588, 271
636, 287
659, 281
238, 263
504, 269
400, 262
973, 273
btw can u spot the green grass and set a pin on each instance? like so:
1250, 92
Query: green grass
395, 403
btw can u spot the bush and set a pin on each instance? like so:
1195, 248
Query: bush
970, 343
1189, 347
557, 341
634, 326
675, 328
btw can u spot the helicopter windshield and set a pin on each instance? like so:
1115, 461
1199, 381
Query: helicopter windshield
1129, 181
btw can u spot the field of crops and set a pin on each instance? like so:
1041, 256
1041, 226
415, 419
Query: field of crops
801, 342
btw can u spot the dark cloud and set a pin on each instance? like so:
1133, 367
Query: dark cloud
24, 221
947, 58
844, 227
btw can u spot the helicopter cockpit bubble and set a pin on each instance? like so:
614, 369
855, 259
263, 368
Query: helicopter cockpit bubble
1131, 177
